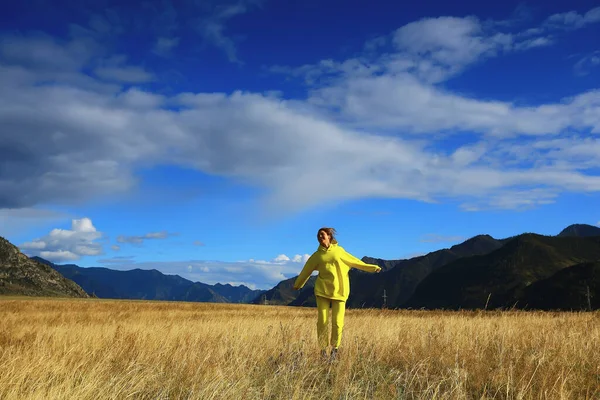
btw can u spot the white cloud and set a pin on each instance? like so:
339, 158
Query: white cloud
213, 27
83, 225
199, 243
129, 74
573, 19
436, 238
142, 238
42, 52
281, 258
379, 126
300, 259
532, 43
431, 49
36, 245
587, 63
165, 45
67, 245
403, 103
117, 260
18, 220
156, 235
115, 247
59, 256
446, 40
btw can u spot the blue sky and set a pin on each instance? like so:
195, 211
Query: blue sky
211, 139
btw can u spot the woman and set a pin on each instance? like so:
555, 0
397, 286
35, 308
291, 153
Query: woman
332, 286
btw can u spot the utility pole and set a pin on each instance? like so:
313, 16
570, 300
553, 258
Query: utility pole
588, 298
384, 299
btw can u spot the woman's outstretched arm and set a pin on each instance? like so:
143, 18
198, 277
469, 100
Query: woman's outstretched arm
308, 269
354, 262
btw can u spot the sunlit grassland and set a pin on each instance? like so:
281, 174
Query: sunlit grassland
101, 349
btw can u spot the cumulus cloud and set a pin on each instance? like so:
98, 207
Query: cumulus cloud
300, 259
67, 244
281, 258
448, 42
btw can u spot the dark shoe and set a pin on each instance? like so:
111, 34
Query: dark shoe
333, 356
324, 354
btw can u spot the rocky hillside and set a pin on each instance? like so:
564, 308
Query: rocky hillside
20, 275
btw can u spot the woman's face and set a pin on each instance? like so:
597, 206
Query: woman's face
324, 238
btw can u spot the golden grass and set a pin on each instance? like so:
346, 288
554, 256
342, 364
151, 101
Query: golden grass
100, 349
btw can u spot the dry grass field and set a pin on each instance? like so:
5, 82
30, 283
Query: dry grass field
99, 349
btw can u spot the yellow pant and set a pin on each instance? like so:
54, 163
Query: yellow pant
338, 308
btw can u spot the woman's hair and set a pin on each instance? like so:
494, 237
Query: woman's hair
331, 232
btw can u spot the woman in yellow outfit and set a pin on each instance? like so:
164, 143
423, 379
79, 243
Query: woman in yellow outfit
332, 286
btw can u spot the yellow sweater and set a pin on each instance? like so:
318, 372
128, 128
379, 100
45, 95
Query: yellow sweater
333, 264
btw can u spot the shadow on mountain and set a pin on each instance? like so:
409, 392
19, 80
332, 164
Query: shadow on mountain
570, 289
499, 279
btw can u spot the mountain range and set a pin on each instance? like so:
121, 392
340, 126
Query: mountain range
150, 285
499, 279
528, 271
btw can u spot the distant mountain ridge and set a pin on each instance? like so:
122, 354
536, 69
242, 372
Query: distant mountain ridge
20, 275
400, 282
499, 279
580, 230
283, 293
150, 285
